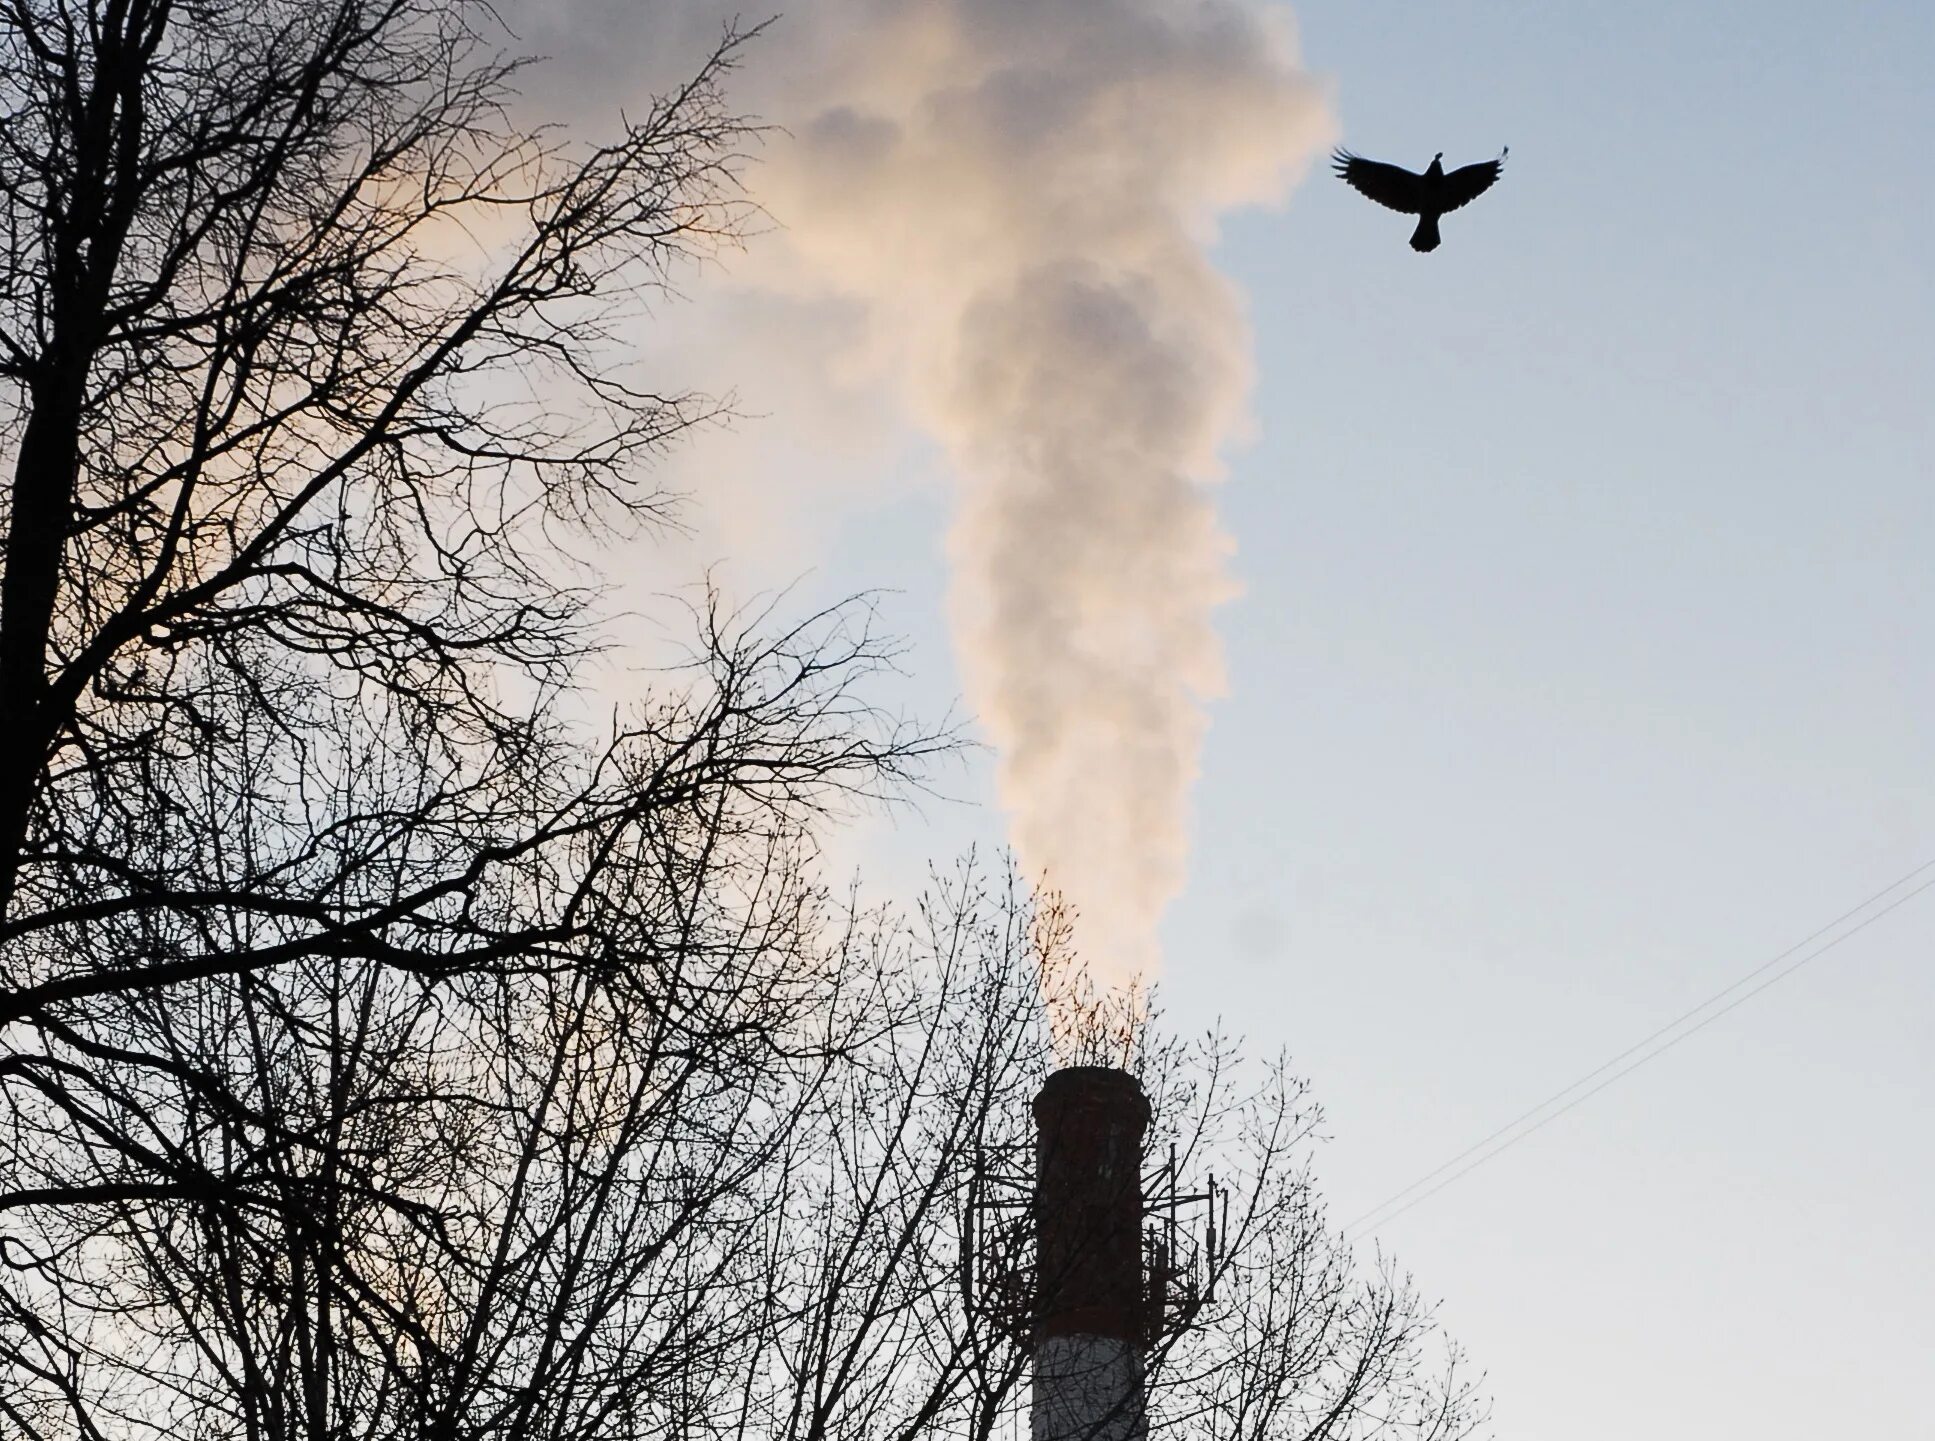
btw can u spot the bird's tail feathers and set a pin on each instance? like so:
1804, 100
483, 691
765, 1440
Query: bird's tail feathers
1425, 237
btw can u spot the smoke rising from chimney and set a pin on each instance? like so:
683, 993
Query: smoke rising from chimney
1023, 196
1016, 198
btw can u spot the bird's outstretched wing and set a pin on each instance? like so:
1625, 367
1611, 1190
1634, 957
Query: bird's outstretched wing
1468, 182
1390, 185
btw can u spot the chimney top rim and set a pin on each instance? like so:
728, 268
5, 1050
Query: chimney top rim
1103, 1085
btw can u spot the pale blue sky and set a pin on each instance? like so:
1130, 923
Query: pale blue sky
1588, 660
1585, 660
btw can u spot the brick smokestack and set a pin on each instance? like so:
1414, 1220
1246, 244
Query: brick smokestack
1089, 1323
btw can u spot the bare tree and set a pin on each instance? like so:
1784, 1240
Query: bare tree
355, 1009
306, 349
500, 1204
876, 1337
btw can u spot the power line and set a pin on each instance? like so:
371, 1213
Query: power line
1383, 1212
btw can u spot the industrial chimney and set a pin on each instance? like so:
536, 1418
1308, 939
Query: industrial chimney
1090, 1328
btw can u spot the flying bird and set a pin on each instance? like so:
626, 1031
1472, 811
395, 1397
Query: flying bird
1426, 196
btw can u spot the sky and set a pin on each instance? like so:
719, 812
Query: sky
1574, 641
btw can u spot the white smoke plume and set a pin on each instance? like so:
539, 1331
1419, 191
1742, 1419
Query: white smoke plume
1019, 196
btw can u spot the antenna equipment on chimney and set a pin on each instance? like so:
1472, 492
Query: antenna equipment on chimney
1183, 1239
997, 1240
1179, 1262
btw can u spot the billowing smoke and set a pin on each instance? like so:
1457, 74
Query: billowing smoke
1019, 198
1023, 193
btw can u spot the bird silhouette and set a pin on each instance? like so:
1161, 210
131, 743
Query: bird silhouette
1426, 196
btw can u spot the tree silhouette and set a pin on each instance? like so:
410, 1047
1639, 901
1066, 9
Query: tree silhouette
329, 941
1298, 1342
384, 1053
